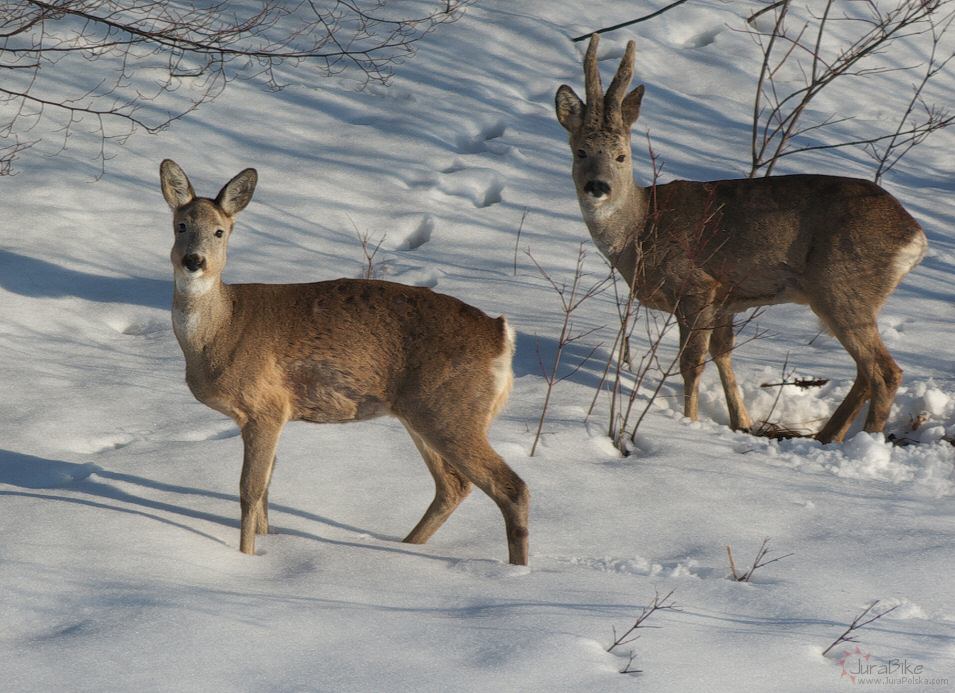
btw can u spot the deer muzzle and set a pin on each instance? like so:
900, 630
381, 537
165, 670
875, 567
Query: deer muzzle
193, 263
597, 189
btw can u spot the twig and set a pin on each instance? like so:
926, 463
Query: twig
368, 270
729, 552
658, 604
758, 562
518, 241
627, 669
857, 624
804, 383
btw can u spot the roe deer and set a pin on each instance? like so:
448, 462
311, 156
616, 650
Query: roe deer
705, 251
338, 351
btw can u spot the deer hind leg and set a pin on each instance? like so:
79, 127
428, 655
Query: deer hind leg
877, 378
722, 342
450, 489
260, 441
470, 454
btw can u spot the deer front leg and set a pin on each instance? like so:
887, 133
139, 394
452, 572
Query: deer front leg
694, 344
260, 441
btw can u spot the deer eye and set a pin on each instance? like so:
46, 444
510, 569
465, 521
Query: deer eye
219, 233
581, 154
182, 228
622, 158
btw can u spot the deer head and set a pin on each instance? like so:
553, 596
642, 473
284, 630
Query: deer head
202, 226
600, 130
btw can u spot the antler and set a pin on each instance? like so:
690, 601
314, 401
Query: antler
599, 105
595, 97
621, 80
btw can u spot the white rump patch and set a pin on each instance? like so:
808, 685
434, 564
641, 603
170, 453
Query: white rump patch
503, 373
909, 256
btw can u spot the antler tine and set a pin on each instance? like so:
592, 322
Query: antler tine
595, 97
618, 87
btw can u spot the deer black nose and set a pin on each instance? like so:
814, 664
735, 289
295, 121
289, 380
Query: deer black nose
597, 188
193, 263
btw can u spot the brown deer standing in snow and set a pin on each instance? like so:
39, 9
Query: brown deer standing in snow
339, 351
706, 251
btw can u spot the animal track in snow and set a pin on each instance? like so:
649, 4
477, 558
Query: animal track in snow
483, 186
420, 235
643, 566
704, 38
139, 328
102, 444
484, 140
217, 431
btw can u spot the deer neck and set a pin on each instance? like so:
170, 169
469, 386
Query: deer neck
200, 309
616, 225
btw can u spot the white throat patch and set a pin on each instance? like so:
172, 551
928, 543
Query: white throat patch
197, 285
597, 210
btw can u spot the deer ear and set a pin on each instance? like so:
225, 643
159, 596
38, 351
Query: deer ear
176, 187
237, 193
630, 108
570, 109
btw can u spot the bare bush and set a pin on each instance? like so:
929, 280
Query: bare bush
571, 297
804, 55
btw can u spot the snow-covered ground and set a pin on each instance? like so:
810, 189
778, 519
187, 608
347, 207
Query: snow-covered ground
119, 559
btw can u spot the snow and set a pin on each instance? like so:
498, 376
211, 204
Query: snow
119, 532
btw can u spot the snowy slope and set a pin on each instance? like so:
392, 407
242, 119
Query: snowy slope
119, 553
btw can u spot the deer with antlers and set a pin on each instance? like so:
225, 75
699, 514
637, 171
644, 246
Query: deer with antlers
706, 251
334, 352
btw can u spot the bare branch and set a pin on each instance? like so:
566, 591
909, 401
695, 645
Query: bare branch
858, 623
632, 21
659, 603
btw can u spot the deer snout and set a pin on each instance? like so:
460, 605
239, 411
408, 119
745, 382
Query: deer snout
193, 262
597, 189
